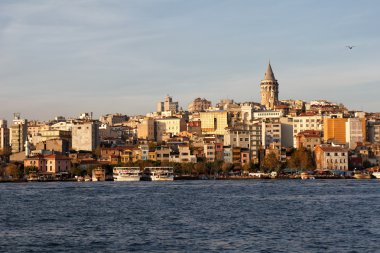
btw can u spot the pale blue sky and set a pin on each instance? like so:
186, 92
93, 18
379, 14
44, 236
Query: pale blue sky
66, 57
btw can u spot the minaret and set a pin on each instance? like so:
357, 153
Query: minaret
269, 89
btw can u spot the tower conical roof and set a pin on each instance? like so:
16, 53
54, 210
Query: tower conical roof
269, 74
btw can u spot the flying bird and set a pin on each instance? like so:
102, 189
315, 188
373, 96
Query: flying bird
350, 47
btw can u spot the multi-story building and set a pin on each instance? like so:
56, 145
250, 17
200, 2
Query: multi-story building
172, 126
4, 137
306, 122
199, 105
355, 131
331, 158
49, 163
214, 122
85, 136
308, 139
167, 105
209, 151
112, 119
269, 90
146, 130
373, 132
271, 132
344, 130
18, 133
162, 153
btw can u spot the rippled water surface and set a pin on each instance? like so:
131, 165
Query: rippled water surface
191, 216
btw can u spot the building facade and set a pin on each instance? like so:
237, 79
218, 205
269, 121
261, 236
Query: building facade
214, 122
85, 136
18, 134
331, 158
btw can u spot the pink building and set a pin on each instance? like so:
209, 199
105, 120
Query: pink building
49, 163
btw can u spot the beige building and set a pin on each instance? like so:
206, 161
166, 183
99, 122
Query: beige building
112, 119
146, 129
355, 132
214, 122
167, 105
172, 126
331, 158
199, 105
269, 89
85, 136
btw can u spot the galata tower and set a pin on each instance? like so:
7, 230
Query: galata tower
269, 90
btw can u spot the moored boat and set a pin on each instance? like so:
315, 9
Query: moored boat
98, 174
361, 175
126, 174
305, 175
158, 174
376, 174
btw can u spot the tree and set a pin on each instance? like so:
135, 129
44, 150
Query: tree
227, 167
270, 163
302, 158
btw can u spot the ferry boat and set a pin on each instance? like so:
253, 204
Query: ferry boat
126, 174
158, 173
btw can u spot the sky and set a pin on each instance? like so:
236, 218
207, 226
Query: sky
67, 57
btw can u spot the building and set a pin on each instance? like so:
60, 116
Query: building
199, 105
172, 126
214, 122
344, 130
85, 136
4, 137
331, 158
167, 105
269, 89
306, 122
18, 133
49, 163
112, 119
146, 130
373, 131
355, 131
308, 139
271, 133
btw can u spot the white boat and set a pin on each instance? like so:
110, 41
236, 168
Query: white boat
126, 174
376, 174
98, 174
305, 176
159, 173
